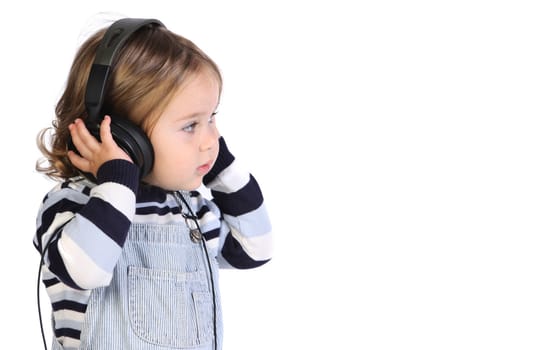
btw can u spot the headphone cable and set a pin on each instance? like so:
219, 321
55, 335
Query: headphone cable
38, 301
42, 255
192, 216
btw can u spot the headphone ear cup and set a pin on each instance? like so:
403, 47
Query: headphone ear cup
132, 140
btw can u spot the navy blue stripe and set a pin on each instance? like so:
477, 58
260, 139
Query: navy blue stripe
69, 305
87, 190
157, 210
211, 234
149, 193
57, 267
243, 201
120, 171
203, 210
68, 184
50, 282
233, 252
67, 332
108, 219
225, 158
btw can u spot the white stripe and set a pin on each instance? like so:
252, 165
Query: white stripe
209, 221
82, 269
231, 179
119, 196
257, 247
69, 315
69, 343
47, 274
164, 204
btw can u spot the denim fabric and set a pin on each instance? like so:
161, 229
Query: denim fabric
160, 296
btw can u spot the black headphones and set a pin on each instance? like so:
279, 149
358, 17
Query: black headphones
129, 137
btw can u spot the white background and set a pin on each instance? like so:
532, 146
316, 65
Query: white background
402, 147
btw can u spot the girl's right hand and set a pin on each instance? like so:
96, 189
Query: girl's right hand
94, 153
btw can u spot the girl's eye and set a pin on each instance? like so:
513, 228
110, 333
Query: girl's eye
190, 127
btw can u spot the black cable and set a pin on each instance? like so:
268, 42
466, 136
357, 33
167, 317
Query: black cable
192, 216
42, 255
38, 300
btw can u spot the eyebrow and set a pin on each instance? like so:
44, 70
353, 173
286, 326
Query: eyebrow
194, 115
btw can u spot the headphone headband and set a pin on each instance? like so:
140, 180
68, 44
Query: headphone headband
115, 37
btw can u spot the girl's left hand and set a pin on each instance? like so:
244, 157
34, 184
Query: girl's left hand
94, 153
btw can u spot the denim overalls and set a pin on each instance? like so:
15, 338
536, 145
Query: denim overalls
160, 296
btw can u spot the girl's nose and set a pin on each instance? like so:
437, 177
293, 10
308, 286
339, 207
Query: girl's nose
210, 138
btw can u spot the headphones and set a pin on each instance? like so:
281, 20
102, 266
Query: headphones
128, 136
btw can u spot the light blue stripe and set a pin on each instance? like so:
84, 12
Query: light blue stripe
97, 245
152, 204
69, 294
70, 193
253, 224
63, 323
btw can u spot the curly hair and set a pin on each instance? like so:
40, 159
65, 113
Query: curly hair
145, 75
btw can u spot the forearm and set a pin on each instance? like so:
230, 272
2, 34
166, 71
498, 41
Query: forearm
245, 237
91, 231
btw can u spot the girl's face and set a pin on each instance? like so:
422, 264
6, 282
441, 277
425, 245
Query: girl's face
185, 138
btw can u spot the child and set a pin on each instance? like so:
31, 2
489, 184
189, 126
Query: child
131, 251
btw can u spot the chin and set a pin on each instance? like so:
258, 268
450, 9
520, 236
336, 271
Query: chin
191, 186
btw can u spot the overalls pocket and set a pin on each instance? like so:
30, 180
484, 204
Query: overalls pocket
170, 308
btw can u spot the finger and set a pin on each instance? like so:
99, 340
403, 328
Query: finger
75, 137
79, 162
79, 138
86, 138
109, 142
105, 130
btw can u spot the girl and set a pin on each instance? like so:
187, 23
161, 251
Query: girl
130, 254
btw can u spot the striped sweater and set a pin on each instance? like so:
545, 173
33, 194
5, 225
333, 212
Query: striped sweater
84, 225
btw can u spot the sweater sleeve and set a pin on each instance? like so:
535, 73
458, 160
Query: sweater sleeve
86, 227
245, 233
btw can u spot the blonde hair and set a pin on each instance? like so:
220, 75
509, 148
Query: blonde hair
146, 73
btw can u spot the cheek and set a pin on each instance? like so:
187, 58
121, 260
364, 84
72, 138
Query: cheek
165, 151
165, 144
217, 149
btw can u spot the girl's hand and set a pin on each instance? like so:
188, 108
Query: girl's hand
94, 153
